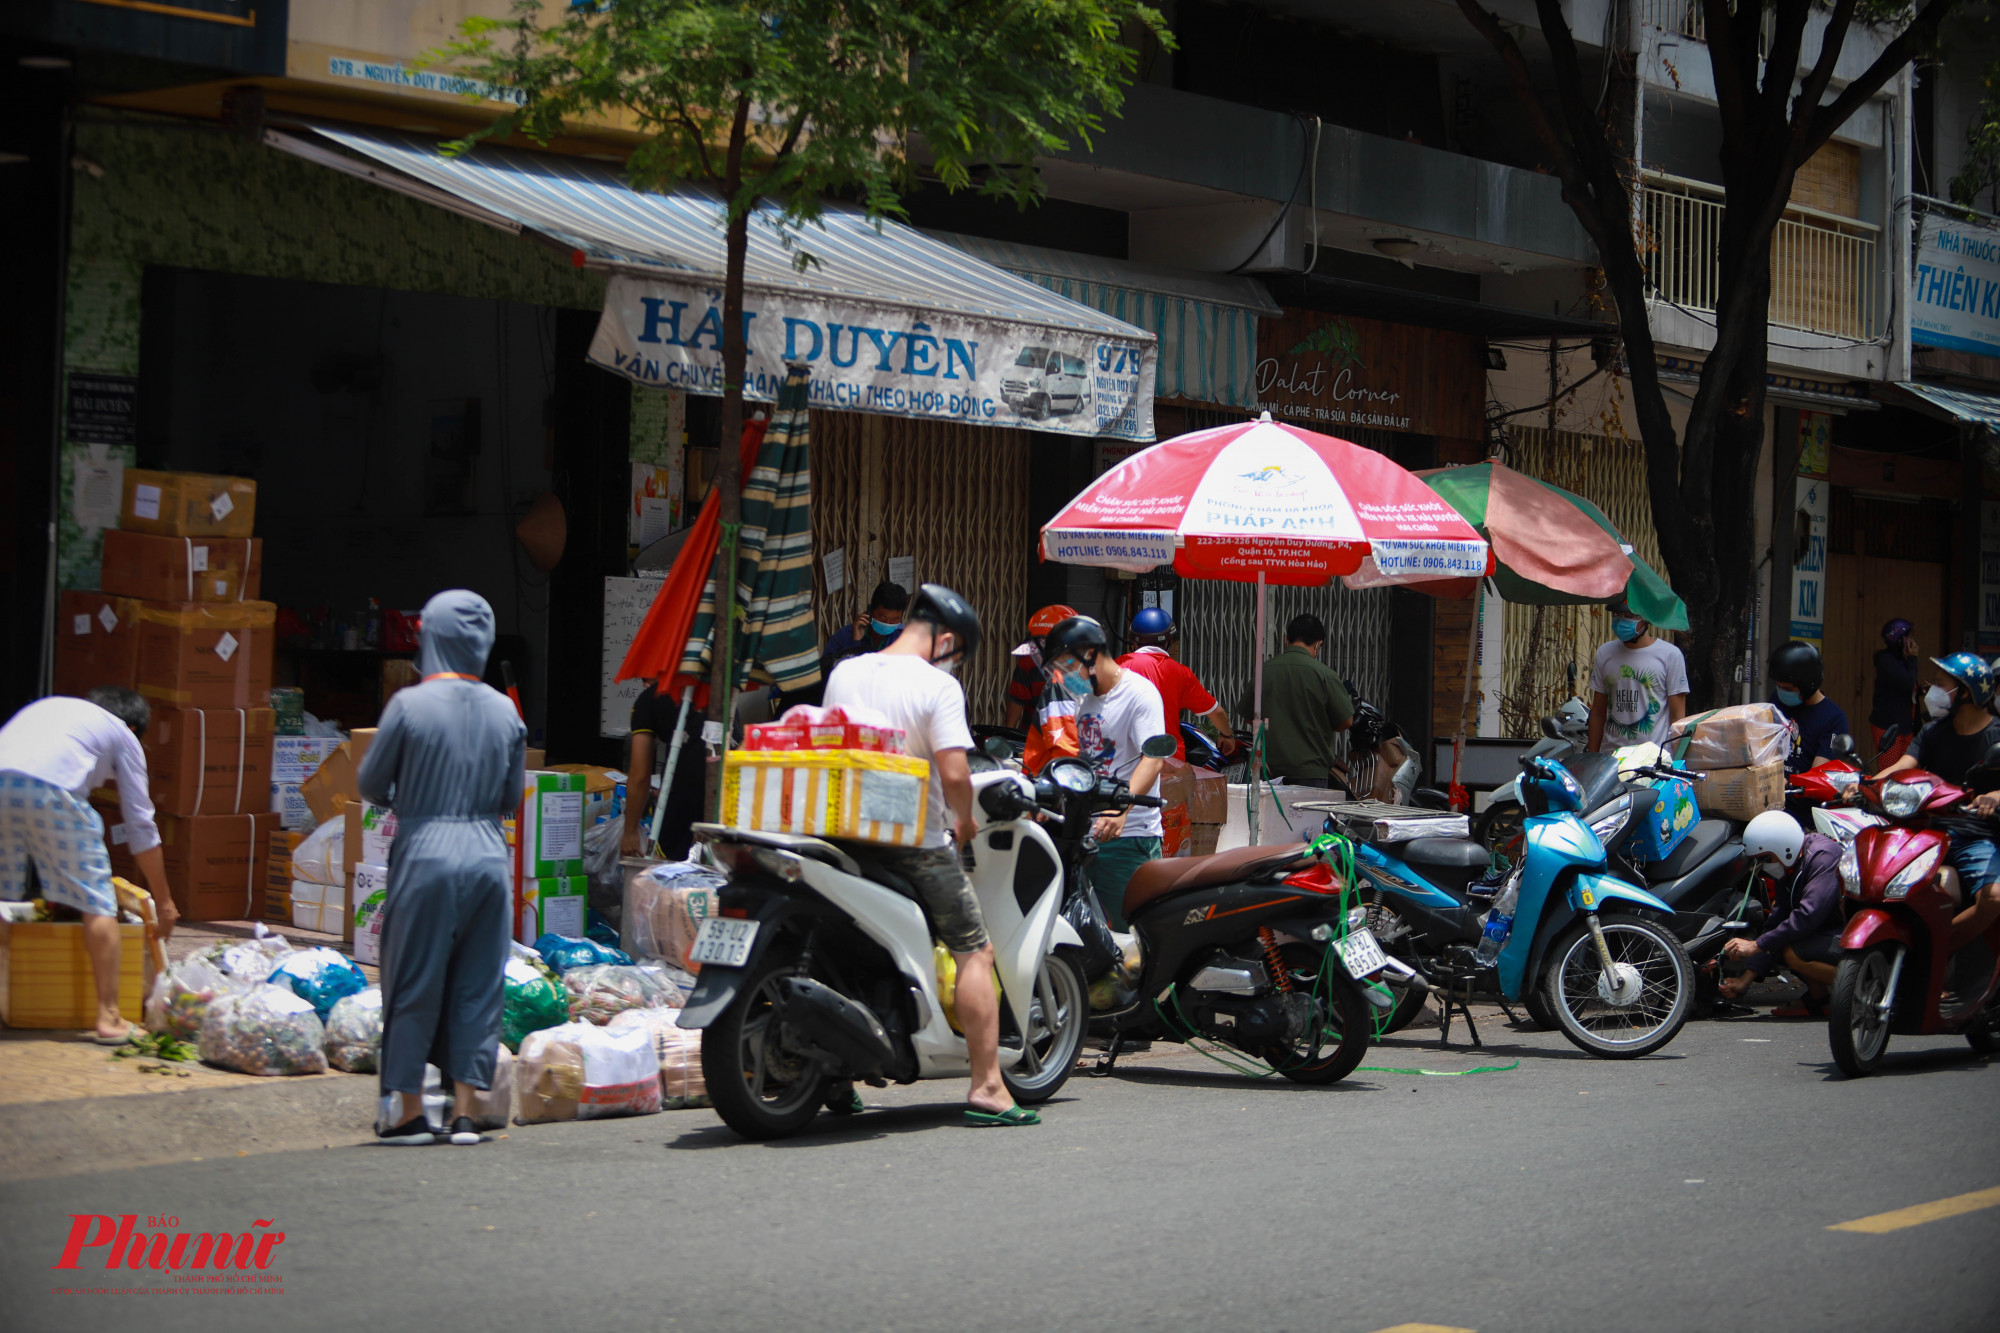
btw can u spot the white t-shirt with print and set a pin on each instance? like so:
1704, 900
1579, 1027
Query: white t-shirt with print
1111, 728
1636, 684
927, 703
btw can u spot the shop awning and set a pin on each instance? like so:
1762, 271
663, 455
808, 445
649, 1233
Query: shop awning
1206, 322
1974, 409
889, 320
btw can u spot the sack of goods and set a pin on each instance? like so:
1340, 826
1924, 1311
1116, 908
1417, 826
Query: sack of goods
579, 1071
679, 1052
531, 999
321, 977
563, 952
599, 993
849, 791
664, 908
354, 1031
264, 1030
1743, 750
182, 994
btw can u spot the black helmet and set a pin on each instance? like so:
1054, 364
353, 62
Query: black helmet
1371, 726
945, 610
1080, 636
1797, 664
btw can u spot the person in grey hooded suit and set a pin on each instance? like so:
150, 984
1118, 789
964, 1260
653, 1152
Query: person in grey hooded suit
449, 759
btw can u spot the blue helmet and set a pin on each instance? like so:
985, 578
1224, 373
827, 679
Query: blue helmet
1971, 671
1153, 625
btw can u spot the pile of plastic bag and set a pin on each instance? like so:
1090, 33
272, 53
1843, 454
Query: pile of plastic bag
530, 1000
354, 1031
321, 977
664, 908
248, 961
677, 1049
563, 952
182, 994
579, 1071
600, 992
264, 1030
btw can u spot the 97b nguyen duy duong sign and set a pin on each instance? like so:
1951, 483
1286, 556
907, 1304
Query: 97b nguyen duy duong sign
882, 358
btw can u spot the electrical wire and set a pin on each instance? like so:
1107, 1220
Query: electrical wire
1304, 161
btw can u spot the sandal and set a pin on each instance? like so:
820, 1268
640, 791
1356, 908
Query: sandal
132, 1033
1013, 1115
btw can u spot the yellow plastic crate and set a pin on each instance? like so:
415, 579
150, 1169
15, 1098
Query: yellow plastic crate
859, 794
45, 977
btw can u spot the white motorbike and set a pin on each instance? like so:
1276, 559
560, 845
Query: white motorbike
821, 967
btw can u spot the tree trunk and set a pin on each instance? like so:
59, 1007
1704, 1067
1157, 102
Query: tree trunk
729, 453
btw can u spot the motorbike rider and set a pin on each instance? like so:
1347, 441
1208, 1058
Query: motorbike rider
1796, 674
1153, 634
1025, 686
1117, 712
1958, 738
1804, 929
911, 683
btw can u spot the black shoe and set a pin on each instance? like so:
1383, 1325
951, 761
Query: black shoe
464, 1132
412, 1133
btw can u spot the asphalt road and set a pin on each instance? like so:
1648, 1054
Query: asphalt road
1690, 1190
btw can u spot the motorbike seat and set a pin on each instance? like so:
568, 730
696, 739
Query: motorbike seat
1450, 864
1704, 840
1182, 874
875, 872
813, 849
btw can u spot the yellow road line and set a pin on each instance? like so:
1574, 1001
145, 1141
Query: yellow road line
1918, 1214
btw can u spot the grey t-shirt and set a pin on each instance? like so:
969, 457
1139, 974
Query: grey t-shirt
1636, 683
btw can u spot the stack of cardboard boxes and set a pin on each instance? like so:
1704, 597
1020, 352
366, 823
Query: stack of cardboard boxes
179, 622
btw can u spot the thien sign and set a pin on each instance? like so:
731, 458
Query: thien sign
883, 359
1955, 293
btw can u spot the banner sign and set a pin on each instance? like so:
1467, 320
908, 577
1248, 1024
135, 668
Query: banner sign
1330, 373
1955, 295
1809, 569
889, 360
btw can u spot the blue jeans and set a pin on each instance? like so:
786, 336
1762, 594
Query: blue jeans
1976, 859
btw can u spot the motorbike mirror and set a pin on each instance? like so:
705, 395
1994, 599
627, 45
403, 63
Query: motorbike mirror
996, 748
1840, 745
1552, 728
1158, 747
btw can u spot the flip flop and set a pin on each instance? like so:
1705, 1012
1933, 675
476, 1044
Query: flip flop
132, 1034
1013, 1115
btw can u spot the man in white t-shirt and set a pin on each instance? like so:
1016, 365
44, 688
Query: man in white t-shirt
1117, 711
910, 683
1638, 683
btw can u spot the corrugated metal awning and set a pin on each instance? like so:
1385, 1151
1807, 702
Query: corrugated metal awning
1976, 409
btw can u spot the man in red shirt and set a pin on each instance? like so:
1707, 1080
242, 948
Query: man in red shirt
1180, 689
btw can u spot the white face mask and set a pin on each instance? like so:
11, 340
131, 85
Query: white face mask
1771, 869
1937, 701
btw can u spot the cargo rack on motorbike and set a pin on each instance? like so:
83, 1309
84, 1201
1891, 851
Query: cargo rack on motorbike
1378, 821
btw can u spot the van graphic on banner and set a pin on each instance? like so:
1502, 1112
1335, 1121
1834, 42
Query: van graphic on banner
868, 357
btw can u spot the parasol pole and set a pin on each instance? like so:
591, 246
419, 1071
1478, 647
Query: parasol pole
673, 764
1461, 800
1257, 720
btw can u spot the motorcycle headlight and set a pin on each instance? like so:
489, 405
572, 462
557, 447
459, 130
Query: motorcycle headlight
1850, 872
1611, 823
1913, 874
1902, 799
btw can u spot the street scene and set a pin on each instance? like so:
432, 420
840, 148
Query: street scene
886, 665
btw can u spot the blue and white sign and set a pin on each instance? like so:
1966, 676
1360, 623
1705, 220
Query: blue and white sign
1955, 294
1809, 568
886, 359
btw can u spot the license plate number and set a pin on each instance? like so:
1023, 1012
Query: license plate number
724, 941
1361, 953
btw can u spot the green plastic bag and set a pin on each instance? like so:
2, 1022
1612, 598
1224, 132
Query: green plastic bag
531, 1002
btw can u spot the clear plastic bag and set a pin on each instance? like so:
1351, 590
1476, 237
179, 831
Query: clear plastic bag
249, 961
678, 1050
321, 977
182, 994
581, 1072
664, 908
531, 999
354, 1031
598, 994
265, 1030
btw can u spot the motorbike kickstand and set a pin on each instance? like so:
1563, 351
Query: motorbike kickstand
1464, 1007
1103, 1066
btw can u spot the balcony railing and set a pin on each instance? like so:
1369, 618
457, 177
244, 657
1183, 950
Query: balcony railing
1823, 266
1685, 18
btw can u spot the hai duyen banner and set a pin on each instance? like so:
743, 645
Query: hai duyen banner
884, 359
1955, 292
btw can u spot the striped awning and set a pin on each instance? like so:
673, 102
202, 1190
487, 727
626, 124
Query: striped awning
1206, 322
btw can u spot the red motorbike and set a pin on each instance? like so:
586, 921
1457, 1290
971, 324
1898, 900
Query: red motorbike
1899, 972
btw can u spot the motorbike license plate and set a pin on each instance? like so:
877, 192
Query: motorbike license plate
724, 941
1361, 953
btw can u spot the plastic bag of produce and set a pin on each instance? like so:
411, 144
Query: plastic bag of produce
1740, 736
264, 1030
354, 1031
321, 977
490, 1109
599, 993
582, 1072
563, 952
679, 1052
181, 996
664, 908
249, 961
530, 1001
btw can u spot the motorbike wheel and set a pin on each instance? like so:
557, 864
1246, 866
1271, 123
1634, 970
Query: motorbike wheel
1985, 1038
1390, 928
1057, 1018
1570, 984
1347, 1028
1499, 828
1537, 1006
759, 1089
1855, 1028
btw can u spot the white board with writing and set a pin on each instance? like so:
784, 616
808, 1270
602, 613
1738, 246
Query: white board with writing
626, 602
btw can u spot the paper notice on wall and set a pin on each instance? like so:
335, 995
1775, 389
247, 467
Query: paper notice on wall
626, 602
903, 572
835, 564
82, 624
656, 503
100, 482
656, 519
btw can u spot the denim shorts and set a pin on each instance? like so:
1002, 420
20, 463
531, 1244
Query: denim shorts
1976, 859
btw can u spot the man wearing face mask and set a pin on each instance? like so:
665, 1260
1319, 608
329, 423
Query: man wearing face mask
1796, 674
871, 632
1639, 685
1803, 929
1958, 738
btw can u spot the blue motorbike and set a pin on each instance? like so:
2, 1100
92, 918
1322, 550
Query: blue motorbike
1584, 951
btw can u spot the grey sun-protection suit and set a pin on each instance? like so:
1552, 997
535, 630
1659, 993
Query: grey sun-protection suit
448, 759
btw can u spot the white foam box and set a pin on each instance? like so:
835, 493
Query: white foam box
296, 758
308, 904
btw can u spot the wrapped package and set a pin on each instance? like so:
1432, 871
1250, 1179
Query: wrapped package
599, 993
563, 952
530, 1001
321, 977
516, 949
679, 1052
664, 908
582, 1072
1741, 736
354, 1031
322, 857
182, 994
490, 1109
249, 961
264, 1030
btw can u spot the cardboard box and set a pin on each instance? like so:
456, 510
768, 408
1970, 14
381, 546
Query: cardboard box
1210, 802
1176, 784
553, 906
1202, 839
857, 794
1743, 793
364, 924
217, 865
97, 642
288, 803
278, 875
182, 569
214, 761
187, 504
537, 759
334, 783
296, 758
1740, 736
206, 655
549, 837
371, 828
596, 781
45, 976
289, 703
1176, 837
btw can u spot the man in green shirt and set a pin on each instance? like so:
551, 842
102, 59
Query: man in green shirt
1304, 705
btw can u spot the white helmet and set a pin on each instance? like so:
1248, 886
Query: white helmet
1774, 833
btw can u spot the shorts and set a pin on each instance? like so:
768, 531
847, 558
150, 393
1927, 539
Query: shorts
1112, 870
1976, 859
63, 837
1823, 948
939, 879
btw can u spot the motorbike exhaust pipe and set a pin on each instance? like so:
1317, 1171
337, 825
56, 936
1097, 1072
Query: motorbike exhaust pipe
1418, 981
820, 1022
